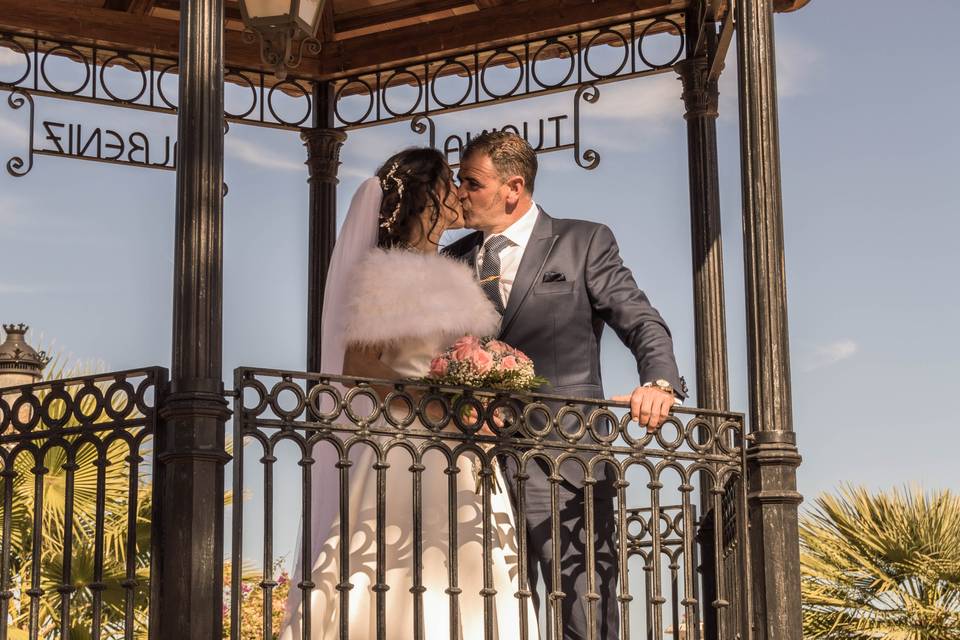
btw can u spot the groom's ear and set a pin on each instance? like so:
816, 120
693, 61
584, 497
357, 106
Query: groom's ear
516, 186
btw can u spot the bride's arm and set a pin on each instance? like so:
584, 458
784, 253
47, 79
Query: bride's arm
365, 362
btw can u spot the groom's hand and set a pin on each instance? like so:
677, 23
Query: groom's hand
649, 406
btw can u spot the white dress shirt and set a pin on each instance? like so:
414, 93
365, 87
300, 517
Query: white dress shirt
519, 235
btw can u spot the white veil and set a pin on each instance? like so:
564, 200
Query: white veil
356, 239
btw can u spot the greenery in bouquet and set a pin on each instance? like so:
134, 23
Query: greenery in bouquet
484, 362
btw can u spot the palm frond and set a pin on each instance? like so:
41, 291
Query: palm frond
882, 566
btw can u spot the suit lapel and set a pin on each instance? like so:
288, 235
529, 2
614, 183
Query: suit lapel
472, 248
534, 256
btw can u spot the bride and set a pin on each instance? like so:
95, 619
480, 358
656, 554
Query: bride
391, 304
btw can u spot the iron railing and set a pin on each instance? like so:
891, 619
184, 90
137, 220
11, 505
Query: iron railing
303, 421
78, 481
76, 463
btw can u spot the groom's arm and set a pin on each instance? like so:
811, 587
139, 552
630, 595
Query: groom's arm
618, 300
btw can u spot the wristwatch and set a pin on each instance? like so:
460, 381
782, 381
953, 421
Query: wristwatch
663, 385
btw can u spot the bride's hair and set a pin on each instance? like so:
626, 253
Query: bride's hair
414, 180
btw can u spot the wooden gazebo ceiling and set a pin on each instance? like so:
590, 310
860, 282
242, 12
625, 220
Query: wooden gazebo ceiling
357, 35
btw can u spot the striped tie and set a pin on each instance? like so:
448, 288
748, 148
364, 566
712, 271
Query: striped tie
490, 270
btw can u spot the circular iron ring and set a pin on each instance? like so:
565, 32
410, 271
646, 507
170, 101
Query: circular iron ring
646, 31
486, 66
313, 401
124, 387
160, 76
89, 389
287, 414
303, 92
590, 44
70, 50
386, 85
436, 76
399, 396
103, 80
336, 101
536, 59
64, 397
253, 92
13, 44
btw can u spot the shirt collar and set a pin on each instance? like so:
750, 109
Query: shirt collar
520, 231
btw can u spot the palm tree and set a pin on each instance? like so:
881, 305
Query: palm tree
883, 565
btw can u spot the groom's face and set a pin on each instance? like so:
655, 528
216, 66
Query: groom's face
484, 194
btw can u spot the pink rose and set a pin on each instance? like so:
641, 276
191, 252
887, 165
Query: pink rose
463, 352
438, 367
463, 348
496, 346
481, 360
467, 341
509, 363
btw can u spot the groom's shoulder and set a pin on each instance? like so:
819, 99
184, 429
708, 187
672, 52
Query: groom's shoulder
575, 227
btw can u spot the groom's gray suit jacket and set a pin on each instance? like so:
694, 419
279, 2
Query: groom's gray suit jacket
570, 283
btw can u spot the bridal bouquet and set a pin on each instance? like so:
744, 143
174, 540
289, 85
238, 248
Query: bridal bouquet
484, 362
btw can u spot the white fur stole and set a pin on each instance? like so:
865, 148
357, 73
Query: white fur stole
400, 294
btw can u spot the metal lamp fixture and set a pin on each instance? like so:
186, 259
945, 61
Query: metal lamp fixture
285, 28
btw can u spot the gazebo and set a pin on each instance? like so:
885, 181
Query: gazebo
365, 51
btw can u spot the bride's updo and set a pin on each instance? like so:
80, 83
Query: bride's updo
413, 181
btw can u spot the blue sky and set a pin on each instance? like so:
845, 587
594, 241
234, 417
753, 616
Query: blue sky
869, 144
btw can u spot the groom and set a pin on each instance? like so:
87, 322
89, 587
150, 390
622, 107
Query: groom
556, 283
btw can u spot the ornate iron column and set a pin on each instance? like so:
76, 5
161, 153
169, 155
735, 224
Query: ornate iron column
772, 455
188, 543
323, 144
701, 98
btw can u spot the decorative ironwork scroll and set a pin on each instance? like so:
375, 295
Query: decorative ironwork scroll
148, 82
506, 73
546, 135
81, 141
578, 61
407, 440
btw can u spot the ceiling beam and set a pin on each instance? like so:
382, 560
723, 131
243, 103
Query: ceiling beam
117, 5
379, 14
138, 7
327, 26
231, 12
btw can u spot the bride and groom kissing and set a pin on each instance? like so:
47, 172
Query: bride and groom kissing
546, 286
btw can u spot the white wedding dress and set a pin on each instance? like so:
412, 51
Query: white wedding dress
412, 306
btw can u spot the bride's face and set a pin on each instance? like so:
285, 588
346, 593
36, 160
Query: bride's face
452, 211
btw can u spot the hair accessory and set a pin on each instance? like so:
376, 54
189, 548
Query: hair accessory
391, 179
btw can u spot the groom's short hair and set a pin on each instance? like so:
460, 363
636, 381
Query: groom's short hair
510, 153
